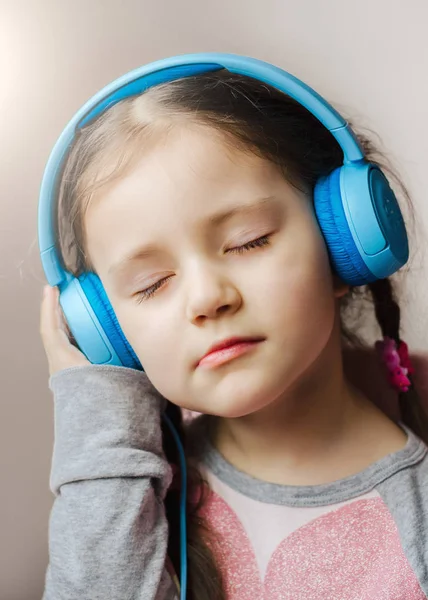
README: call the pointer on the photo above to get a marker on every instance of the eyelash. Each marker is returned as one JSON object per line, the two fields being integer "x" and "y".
{"x": 150, "y": 291}
{"x": 258, "y": 243}
{"x": 251, "y": 245}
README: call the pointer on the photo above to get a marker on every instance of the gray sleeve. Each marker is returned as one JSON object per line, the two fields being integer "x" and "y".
{"x": 406, "y": 495}
{"x": 107, "y": 530}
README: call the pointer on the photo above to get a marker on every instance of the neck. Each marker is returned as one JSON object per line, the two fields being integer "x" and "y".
{"x": 320, "y": 430}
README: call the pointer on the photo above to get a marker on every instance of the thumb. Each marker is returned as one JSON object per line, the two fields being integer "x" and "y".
{"x": 55, "y": 334}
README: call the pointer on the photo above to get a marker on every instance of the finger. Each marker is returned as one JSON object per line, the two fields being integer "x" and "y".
{"x": 46, "y": 320}
{"x": 51, "y": 327}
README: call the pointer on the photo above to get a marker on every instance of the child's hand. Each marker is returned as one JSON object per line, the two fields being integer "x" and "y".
{"x": 61, "y": 354}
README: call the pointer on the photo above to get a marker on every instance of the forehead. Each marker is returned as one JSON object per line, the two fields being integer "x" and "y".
{"x": 188, "y": 176}
{"x": 192, "y": 166}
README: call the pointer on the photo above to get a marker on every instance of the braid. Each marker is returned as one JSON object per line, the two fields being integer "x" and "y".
{"x": 172, "y": 499}
{"x": 204, "y": 580}
{"x": 386, "y": 308}
{"x": 387, "y": 313}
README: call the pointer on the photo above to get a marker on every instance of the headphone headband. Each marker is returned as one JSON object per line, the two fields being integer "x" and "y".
{"x": 162, "y": 71}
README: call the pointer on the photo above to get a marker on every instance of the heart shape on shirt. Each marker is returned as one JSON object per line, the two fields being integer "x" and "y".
{"x": 351, "y": 553}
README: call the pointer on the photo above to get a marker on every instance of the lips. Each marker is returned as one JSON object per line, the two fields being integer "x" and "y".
{"x": 228, "y": 350}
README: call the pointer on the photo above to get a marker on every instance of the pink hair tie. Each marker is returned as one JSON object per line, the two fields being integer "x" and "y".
{"x": 397, "y": 362}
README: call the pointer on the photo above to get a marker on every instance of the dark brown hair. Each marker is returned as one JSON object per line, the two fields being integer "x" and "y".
{"x": 253, "y": 117}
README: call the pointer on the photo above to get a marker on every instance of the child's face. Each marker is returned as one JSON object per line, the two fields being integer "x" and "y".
{"x": 185, "y": 206}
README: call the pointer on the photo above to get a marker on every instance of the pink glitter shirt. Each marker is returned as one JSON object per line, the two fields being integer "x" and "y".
{"x": 364, "y": 537}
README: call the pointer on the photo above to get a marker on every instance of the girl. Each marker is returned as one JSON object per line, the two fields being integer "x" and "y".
{"x": 192, "y": 203}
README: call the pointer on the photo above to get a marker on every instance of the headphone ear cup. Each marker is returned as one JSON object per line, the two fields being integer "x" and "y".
{"x": 100, "y": 304}
{"x": 344, "y": 254}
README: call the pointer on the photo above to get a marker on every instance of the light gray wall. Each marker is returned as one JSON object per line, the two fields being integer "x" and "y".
{"x": 370, "y": 58}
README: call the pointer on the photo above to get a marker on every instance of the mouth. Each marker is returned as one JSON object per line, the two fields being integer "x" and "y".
{"x": 228, "y": 350}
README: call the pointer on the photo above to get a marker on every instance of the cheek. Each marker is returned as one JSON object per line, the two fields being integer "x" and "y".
{"x": 158, "y": 344}
{"x": 300, "y": 271}
{"x": 150, "y": 338}
{"x": 298, "y": 288}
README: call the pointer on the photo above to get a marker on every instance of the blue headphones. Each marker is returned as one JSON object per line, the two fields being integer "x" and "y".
{"x": 356, "y": 209}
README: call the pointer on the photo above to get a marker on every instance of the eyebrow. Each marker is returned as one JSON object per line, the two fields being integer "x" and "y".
{"x": 215, "y": 220}
{"x": 138, "y": 254}
{"x": 255, "y": 206}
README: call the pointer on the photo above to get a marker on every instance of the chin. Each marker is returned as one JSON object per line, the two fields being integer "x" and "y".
{"x": 238, "y": 400}
{"x": 237, "y": 412}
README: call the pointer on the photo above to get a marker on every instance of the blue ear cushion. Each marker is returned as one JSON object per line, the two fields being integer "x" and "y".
{"x": 95, "y": 293}
{"x": 344, "y": 254}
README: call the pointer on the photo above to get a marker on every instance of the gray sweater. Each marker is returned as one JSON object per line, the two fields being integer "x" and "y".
{"x": 108, "y": 531}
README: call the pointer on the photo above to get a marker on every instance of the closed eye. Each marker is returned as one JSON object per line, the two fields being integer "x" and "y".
{"x": 257, "y": 243}
{"x": 251, "y": 245}
{"x": 150, "y": 291}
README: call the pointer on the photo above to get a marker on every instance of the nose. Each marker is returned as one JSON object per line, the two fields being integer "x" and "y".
{"x": 211, "y": 294}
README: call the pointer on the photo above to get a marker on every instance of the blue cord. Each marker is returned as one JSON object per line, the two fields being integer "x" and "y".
{"x": 183, "y": 494}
